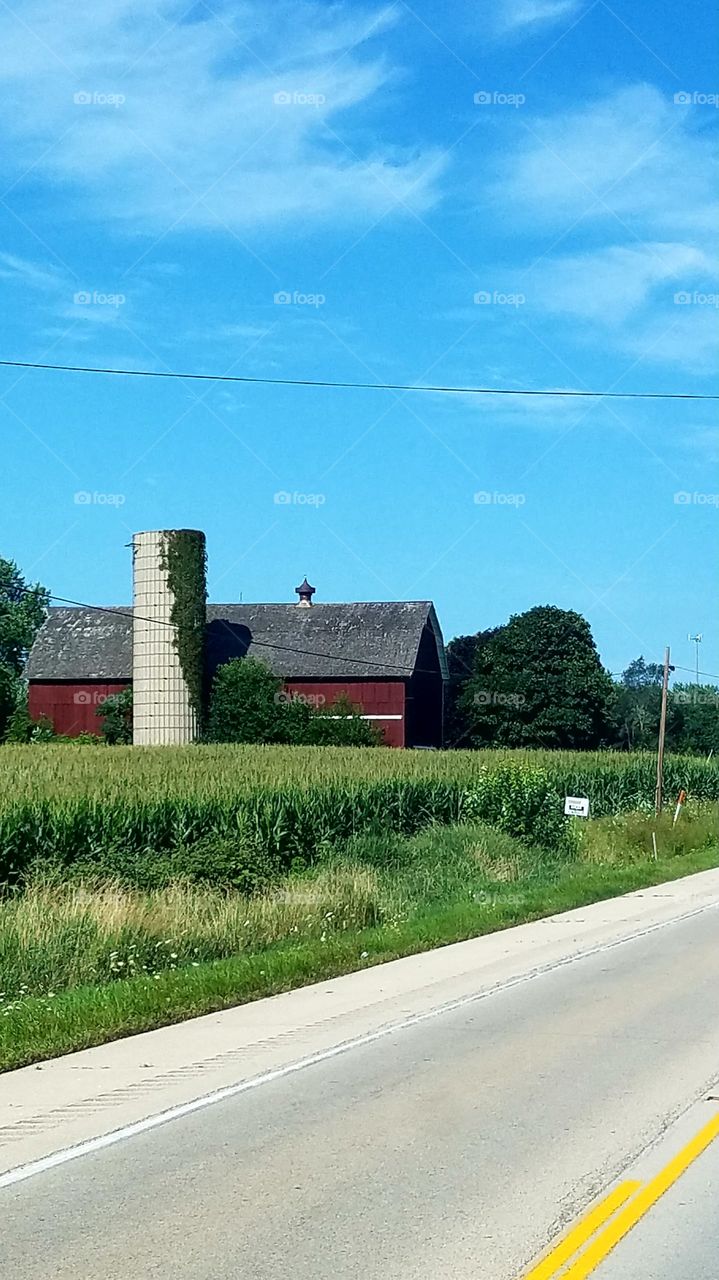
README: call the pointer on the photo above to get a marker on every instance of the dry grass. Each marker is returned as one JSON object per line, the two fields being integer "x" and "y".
{"x": 58, "y": 935}
{"x": 67, "y": 949}
{"x": 627, "y": 838}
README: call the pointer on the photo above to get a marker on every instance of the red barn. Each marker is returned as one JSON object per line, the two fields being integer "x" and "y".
{"x": 388, "y": 658}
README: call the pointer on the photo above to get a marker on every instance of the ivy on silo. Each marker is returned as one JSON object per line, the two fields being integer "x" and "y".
{"x": 183, "y": 560}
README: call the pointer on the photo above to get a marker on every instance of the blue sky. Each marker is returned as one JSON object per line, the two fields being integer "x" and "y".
{"x": 516, "y": 194}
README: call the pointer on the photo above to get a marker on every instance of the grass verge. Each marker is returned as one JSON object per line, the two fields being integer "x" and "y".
{"x": 40, "y": 1027}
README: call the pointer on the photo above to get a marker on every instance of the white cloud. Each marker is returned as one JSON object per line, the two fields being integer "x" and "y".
{"x": 519, "y": 15}
{"x": 629, "y": 182}
{"x": 24, "y": 272}
{"x": 178, "y": 121}
{"x": 610, "y": 284}
{"x": 635, "y": 154}
{"x": 684, "y": 336}
{"x": 647, "y": 300}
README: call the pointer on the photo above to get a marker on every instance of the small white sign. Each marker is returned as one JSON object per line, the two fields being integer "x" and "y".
{"x": 576, "y": 806}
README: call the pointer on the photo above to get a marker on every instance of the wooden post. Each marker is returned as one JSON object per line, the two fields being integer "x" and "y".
{"x": 662, "y": 732}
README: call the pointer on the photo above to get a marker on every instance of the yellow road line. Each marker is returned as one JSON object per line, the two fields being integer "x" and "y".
{"x": 642, "y": 1203}
{"x": 584, "y": 1230}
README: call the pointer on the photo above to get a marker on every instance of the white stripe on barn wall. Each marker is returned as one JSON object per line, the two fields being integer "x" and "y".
{"x": 373, "y": 717}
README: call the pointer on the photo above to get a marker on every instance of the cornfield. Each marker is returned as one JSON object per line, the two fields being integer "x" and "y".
{"x": 67, "y": 803}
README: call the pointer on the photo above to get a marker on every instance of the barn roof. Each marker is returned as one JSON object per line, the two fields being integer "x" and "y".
{"x": 327, "y": 641}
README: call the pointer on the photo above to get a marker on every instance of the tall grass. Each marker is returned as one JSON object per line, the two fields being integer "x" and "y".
{"x": 60, "y": 934}
{"x": 83, "y": 963}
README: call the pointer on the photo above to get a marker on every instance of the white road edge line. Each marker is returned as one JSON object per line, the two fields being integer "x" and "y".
{"x": 87, "y": 1148}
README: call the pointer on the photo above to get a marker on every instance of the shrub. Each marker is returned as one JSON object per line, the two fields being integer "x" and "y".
{"x": 524, "y": 803}
{"x": 244, "y": 703}
{"x": 249, "y": 704}
{"x": 43, "y": 730}
{"x": 20, "y": 724}
{"x": 226, "y": 862}
{"x": 116, "y": 715}
{"x": 340, "y": 725}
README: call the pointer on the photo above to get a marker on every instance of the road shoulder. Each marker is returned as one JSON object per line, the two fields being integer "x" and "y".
{"x": 84, "y": 1097}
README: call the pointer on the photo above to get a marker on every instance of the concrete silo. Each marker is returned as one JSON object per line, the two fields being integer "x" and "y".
{"x": 169, "y": 594}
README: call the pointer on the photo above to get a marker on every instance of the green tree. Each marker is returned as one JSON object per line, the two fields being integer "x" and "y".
{"x": 245, "y": 702}
{"x": 638, "y": 705}
{"x": 641, "y": 675}
{"x": 461, "y": 659}
{"x": 10, "y": 697}
{"x": 116, "y": 715}
{"x": 22, "y": 612}
{"x": 693, "y": 719}
{"x": 539, "y": 682}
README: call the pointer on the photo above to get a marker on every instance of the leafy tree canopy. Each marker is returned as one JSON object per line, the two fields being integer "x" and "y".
{"x": 641, "y": 675}
{"x": 693, "y": 719}
{"x": 461, "y": 659}
{"x": 539, "y": 682}
{"x": 22, "y": 612}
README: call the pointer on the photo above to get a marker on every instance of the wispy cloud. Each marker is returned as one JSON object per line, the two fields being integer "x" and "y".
{"x": 162, "y": 117}
{"x": 526, "y": 16}
{"x": 613, "y": 283}
{"x": 623, "y": 193}
{"x": 28, "y": 274}
{"x": 635, "y": 154}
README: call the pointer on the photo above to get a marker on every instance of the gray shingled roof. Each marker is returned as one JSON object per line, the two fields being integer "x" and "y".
{"x": 338, "y": 641}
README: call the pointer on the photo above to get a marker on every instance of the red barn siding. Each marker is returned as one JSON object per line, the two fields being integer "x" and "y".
{"x": 383, "y": 698}
{"x": 70, "y": 706}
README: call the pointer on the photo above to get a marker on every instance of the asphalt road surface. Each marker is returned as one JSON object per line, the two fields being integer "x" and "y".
{"x": 679, "y": 1239}
{"x": 462, "y": 1146}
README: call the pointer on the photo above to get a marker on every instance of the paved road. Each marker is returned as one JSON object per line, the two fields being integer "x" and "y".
{"x": 679, "y": 1239}
{"x": 459, "y": 1147}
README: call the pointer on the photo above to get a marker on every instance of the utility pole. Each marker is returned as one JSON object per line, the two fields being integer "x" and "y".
{"x": 697, "y": 639}
{"x": 662, "y": 733}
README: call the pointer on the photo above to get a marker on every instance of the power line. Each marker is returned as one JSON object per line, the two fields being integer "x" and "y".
{"x": 264, "y": 644}
{"x": 361, "y": 386}
{"x": 711, "y": 674}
